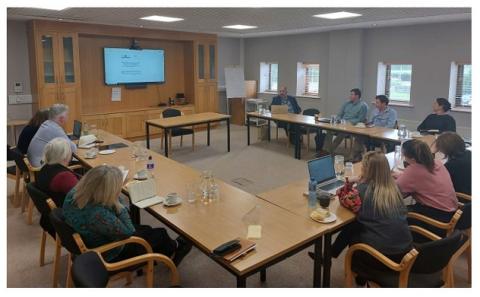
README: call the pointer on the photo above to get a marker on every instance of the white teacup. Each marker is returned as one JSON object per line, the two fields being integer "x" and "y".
{"x": 171, "y": 198}
{"x": 142, "y": 174}
{"x": 92, "y": 153}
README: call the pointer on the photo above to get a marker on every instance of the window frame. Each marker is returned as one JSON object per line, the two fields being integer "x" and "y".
{"x": 384, "y": 83}
{"x": 455, "y": 69}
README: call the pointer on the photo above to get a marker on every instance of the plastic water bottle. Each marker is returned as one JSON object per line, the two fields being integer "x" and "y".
{"x": 312, "y": 193}
{"x": 150, "y": 165}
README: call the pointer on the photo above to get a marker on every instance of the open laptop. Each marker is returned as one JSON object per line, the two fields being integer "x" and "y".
{"x": 279, "y": 109}
{"x": 77, "y": 130}
{"x": 323, "y": 171}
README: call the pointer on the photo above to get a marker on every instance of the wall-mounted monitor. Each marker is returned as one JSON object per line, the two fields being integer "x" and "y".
{"x": 132, "y": 66}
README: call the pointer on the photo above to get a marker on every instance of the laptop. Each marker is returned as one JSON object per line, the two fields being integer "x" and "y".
{"x": 323, "y": 120}
{"x": 278, "y": 109}
{"x": 77, "y": 130}
{"x": 323, "y": 172}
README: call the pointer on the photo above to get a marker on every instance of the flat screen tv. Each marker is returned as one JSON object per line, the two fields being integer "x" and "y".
{"x": 131, "y": 66}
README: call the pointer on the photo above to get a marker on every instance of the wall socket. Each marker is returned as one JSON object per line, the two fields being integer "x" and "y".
{"x": 20, "y": 99}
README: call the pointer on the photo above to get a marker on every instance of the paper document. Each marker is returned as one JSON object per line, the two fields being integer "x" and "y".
{"x": 116, "y": 94}
{"x": 254, "y": 232}
{"x": 143, "y": 193}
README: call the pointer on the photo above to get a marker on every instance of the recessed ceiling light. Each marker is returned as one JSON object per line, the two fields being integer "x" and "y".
{"x": 337, "y": 15}
{"x": 50, "y": 7}
{"x": 159, "y": 18}
{"x": 240, "y": 27}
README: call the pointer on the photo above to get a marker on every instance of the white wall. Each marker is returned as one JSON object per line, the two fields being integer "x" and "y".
{"x": 349, "y": 59}
{"x": 229, "y": 53}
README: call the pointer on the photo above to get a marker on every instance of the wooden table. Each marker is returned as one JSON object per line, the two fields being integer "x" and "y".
{"x": 13, "y": 124}
{"x": 168, "y": 124}
{"x": 207, "y": 226}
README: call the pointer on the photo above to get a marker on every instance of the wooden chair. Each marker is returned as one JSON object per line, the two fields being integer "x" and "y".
{"x": 90, "y": 270}
{"x": 171, "y": 112}
{"x": 72, "y": 241}
{"x": 461, "y": 220}
{"x": 20, "y": 174}
{"x": 425, "y": 265}
{"x": 44, "y": 205}
{"x": 26, "y": 202}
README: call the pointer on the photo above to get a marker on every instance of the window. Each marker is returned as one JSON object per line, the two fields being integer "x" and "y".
{"x": 268, "y": 77}
{"x": 308, "y": 79}
{"x": 395, "y": 81}
{"x": 460, "y": 94}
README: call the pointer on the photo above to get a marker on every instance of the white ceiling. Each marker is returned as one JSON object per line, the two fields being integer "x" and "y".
{"x": 270, "y": 21}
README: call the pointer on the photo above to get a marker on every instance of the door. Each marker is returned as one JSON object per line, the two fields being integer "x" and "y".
{"x": 48, "y": 78}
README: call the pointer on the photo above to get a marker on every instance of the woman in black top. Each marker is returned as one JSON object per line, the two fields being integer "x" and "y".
{"x": 382, "y": 218}
{"x": 439, "y": 120}
{"x": 459, "y": 160}
{"x": 30, "y": 129}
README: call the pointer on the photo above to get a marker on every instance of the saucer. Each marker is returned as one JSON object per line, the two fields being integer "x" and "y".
{"x": 177, "y": 202}
{"x": 91, "y": 157}
{"x": 106, "y": 152}
{"x": 331, "y": 218}
{"x": 138, "y": 178}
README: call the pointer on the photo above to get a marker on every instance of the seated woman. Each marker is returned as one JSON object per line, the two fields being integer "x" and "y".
{"x": 55, "y": 178}
{"x": 440, "y": 119}
{"x": 381, "y": 220}
{"x": 458, "y": 160}
{"x": 30, "y": 129}
{"x": 94, "y": 210}
{"x": 428, "y": 181}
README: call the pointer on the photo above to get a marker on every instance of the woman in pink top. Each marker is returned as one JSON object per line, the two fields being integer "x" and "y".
{"x": 428, "y": 181}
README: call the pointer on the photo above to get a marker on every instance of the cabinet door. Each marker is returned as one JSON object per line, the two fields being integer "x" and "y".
{"x": 212, "y": 97}
{"x": 47, "y": 69}
{"x": 153, "y": 115}
{"x": 212, "y": 62}
{"x": 68, "y": 96}
{"x": 115, "y": 124}
{"x": 135, "y": 123}
{"x": 201, "y": 102}
{"x": 201, "y": 62}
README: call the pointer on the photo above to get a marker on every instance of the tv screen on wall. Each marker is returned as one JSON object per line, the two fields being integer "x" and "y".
{"x": 131, "y": 66}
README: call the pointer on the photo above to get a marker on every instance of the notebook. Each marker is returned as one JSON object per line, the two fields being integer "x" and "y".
{"x": 276, "y": 109}
{"x": 144, "y": 193}
{"x": 247, "y": 246}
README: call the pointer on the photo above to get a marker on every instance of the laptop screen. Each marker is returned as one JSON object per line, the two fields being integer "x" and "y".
{"x": 321, "y": 169}
{"x": 77, "y": 128}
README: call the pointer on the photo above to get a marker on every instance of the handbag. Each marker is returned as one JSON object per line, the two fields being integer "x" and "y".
{"x": 349, "y": 196}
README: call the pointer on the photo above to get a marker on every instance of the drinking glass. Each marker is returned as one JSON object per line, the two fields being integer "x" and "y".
{"x": 339, "y": 166}
{"x": 323, "y": 199}
{"x": 397, "y": 157}
{"x": 191, "y": 193}
{"x": 343, "y": 122}
{"x": 333, "y": 119}
{"x": 348, "y": 170}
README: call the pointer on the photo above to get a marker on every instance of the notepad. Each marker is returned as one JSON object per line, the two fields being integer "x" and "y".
{"x": 254, "y": 231}
{"x": 144, "y": 193}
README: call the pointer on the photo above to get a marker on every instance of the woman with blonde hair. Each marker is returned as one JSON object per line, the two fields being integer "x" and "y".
{"x": 55, "y": 178}
{"x": 94, "y": 209}
{"x": 381, "y": 220}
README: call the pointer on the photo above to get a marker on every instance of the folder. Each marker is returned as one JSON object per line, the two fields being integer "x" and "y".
{"x": 246, "y": 247}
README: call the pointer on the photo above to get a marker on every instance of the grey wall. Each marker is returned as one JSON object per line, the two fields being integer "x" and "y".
{"x": 229, "y": 53}
{"x": 349, "y": 58}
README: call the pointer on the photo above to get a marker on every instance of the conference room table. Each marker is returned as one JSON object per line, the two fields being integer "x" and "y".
{"x": 168, "y": 124}
{"x": 209, "y": 225}
{"x": 298, "y": 120}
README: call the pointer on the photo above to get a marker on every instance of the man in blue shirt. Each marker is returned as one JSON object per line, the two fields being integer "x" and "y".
{"x": 383, "y": 115}
{"x": 283, "y": 99}
{"x": 353, "y": 111}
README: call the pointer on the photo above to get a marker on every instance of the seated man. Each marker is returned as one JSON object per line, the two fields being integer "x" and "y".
{"x": 353, "y": 111}
{"x": 283, "y": 99}
{"x": 383, "y": 116}
{"x": 50, "y": 129}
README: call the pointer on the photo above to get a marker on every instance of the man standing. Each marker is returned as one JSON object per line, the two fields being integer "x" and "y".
{"x": 50, "y": 129}
{"x": 353, "y": 111}
{"x": 283, "y": 99}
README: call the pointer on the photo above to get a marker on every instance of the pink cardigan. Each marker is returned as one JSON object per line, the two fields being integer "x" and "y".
{"x": 433, "y": 190}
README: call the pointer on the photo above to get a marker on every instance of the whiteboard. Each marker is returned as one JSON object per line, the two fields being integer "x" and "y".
{"x": 234, "y": 82}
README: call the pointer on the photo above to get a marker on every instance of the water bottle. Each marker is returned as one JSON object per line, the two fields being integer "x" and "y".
{"x": 312, "y": 193}
{"x": 150, "y": 166}
{"x": 397, "y": 156}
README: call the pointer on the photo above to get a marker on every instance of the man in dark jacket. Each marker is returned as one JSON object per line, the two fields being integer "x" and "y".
{"x": 283, "y": 99}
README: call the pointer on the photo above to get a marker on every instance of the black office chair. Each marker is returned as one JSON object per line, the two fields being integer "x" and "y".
{"x": 307, "y": 130}
{"x": 169, "y": 113}
{"x": 89, "y": 269}
{"x": 427, "y": 267}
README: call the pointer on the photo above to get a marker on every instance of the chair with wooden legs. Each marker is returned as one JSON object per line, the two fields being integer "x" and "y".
{"x": 425, "y": 266}
{"x": 90, "y": 270}
{"x": 461, "y": 220}
{"x": 44, "y": 205}
{"x": 169, "y": 113}
{"x": 309, "y": 130}
{"x": 72, "y": 241}
{"x": 21, "y": 175}
{"x": 26, "y": 202}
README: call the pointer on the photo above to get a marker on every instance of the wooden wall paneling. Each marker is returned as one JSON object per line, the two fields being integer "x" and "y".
{"x": 189, "y": 72}
{"x": 116, "y": 124}
{"x": 135, "y": 123}
{"x": 97, "y": 96}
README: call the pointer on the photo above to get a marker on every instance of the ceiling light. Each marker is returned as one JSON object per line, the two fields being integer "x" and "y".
{"x": 159, "y": 18}
{"x": 337, "y": 15}
{"x": 240, "y": 27}
{"x": 50, "y": 7}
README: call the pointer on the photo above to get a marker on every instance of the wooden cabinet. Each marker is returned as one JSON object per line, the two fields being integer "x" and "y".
{"x": 55, "y": 73}
{"x": 135, "y": 122}
{"x": 206, "y": 93}
{"x": 113, "y": 123}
